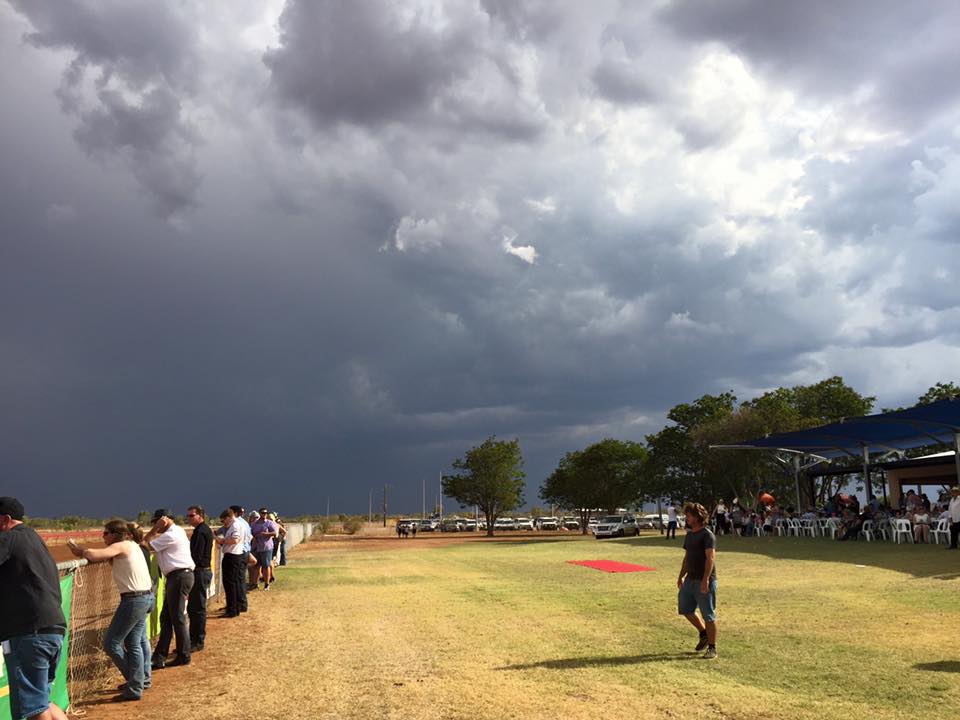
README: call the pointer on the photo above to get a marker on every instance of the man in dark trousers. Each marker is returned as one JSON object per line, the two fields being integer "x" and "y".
{"x": 697, "y": 582}
{"x": 172, "y": 547}
{"x": 32, "y": 624}
{"x": 201, "y": 547}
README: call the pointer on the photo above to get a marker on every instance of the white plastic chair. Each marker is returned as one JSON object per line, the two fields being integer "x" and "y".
{"x": 830, "y": 526}
{"x": 901, "y": 528}
{"x": 794, "y": 528}
{"x": 808, "y": 527}
{"x": 867, "y": 530}
{"x": 942, "y": 529}
{"x": 781, "y": 527}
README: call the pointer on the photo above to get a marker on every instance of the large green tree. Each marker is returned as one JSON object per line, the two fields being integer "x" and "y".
{"x": 683, "y": 465}
{"x": 608, "y": 474}
{"x": 490, "y": 477}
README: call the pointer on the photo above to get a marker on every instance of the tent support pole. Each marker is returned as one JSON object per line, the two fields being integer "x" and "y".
{"x": 796, "y": 480}
{"x": 866, "y": 471}
{"x": 956, "y": 455}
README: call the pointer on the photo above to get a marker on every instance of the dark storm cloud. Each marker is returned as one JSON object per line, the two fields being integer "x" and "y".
{"x": 376, "y": 63}
{"x": 133, "y": 65}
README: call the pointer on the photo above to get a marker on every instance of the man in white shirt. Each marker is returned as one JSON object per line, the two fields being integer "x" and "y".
{"x": 671, "y": 521}
{"x": 954, "y": 510}
{"x": 172, "y": 548}
{"x": 230, "y": 537}
{"x": 247, "y": 539}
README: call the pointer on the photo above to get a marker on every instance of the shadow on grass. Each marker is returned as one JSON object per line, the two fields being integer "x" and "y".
{"x": 950, "y": 666}
{"x": 921, "y": 561}
{"x": 585, "y": 662}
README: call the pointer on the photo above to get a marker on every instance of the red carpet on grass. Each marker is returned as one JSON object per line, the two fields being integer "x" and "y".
{"x": 611, "y": 566}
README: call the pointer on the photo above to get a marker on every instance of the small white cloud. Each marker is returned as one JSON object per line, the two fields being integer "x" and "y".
{"x": 527, "y": 253}
{"x": 419, "y": 234}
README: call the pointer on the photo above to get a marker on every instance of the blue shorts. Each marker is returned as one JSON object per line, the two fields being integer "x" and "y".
{"x": 264, "y": 558}
{"x": 31, "y": 667}
{"x": 690, "y": 599}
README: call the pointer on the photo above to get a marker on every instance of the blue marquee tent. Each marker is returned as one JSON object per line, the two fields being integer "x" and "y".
{"x": 938, "y": 422}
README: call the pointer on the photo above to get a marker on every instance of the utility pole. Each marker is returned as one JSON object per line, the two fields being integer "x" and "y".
{"x": 370, "y": 509}
{"x": 384, "y": 504}
{"x": 423, "y": 499}
{"x": 328, "y": 508}
{"x": 441, "y": 497}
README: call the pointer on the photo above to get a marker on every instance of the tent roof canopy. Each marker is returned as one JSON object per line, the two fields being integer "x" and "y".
{"x": 921, "y": 425}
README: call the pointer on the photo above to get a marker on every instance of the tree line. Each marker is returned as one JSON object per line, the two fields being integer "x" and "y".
{"x": 675, "y": 463}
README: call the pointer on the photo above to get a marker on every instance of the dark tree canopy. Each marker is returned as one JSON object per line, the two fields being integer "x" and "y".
{"x": 607, "y": 475}
{"x": 490, "y": 477}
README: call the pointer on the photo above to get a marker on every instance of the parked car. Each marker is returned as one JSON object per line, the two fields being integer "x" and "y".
{"x": 427, "y": 525}
{"x": 570, "y": 523}
{"x": 504, "y": 523}
{"x": 547, "y": 523}
{"x": 592, "y": 525}
{"x": 522, "y": 523}
{"x": 653, "y": 521}
{"x": 617, "y": 526}
{"x": 452, "y": 525}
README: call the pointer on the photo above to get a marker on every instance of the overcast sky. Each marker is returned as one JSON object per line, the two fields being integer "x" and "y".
{"x": 274, "y": 252}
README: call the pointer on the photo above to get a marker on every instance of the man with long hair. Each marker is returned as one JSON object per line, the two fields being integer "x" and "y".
{"x": 697, "y": 582}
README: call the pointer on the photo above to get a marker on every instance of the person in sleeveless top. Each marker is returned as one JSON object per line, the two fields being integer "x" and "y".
{"x": 122, "y": 640}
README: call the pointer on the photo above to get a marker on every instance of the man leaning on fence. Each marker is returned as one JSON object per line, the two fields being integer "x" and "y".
{"x": 172, "y": 548}
{"x": 32, "y": 624}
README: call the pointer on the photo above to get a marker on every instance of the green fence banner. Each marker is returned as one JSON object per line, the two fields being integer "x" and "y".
{"x": 59, "y": 692}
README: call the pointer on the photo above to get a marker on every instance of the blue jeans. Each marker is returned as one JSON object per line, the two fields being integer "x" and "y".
{"x": 31, "y": 669}
{"x": 145, "y": 644}
{"x": 123, "y": 640}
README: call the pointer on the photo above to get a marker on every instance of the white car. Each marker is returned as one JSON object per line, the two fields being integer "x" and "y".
{"x": 504, "y": 523}
{"x": 616, "y": 526}
{"x": 522, "y": 523}
{"x": 548, "y": 523}
{"x": 570, "y": 523}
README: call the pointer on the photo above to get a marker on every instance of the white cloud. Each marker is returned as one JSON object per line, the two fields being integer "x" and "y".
{"x": 527, "y": 253}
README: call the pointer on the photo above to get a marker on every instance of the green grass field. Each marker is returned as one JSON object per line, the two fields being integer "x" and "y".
{"x": 808, "y": 629}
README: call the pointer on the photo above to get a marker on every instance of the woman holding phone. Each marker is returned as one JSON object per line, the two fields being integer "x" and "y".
{"x": 123, "y": 639}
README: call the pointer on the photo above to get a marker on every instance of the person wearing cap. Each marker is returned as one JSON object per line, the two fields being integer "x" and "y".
{"x": 201, "y": 550}
{"x": 230, "y": 537}
{"x": 122, "y": 640}
{"x": 954, "y": 509}
{"x": 32, "y": 624}
{"x": 264, "y": 531}
{"x": 170, "y": 544}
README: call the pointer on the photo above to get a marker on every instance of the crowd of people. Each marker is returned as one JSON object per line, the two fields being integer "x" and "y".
{"x": 32, "y": 623}
{"x": 847, "y": 510}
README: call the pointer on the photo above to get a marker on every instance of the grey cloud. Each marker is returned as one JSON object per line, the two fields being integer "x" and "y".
{"x": 133, "y": 66}
{"x": 373, "y": 64}
{"x": 901, "y": 56}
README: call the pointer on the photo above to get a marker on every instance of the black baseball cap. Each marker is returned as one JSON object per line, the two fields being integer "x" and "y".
{"x": 12, "y": 507}
{"x": 162, "y": 512}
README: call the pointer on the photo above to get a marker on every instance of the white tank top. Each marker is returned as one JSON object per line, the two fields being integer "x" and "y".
{"x": 130, "y": 572}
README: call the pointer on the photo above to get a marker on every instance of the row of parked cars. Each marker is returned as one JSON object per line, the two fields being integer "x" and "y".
{"x": 607, "y": 526}
{"x": 456, "y": 524}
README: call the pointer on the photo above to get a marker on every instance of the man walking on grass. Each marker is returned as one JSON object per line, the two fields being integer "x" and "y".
{"x": 697, "y": 582}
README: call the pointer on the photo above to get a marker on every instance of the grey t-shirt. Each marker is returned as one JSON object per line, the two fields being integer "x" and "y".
{"x": 696, "y": 545}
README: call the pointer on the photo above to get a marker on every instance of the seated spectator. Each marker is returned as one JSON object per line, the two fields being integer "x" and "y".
{"x": 122, "y": 641}
{"x": 921, "y": 525}
{"x": 850, "y": 525}
{"x": 768, "y": 523}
